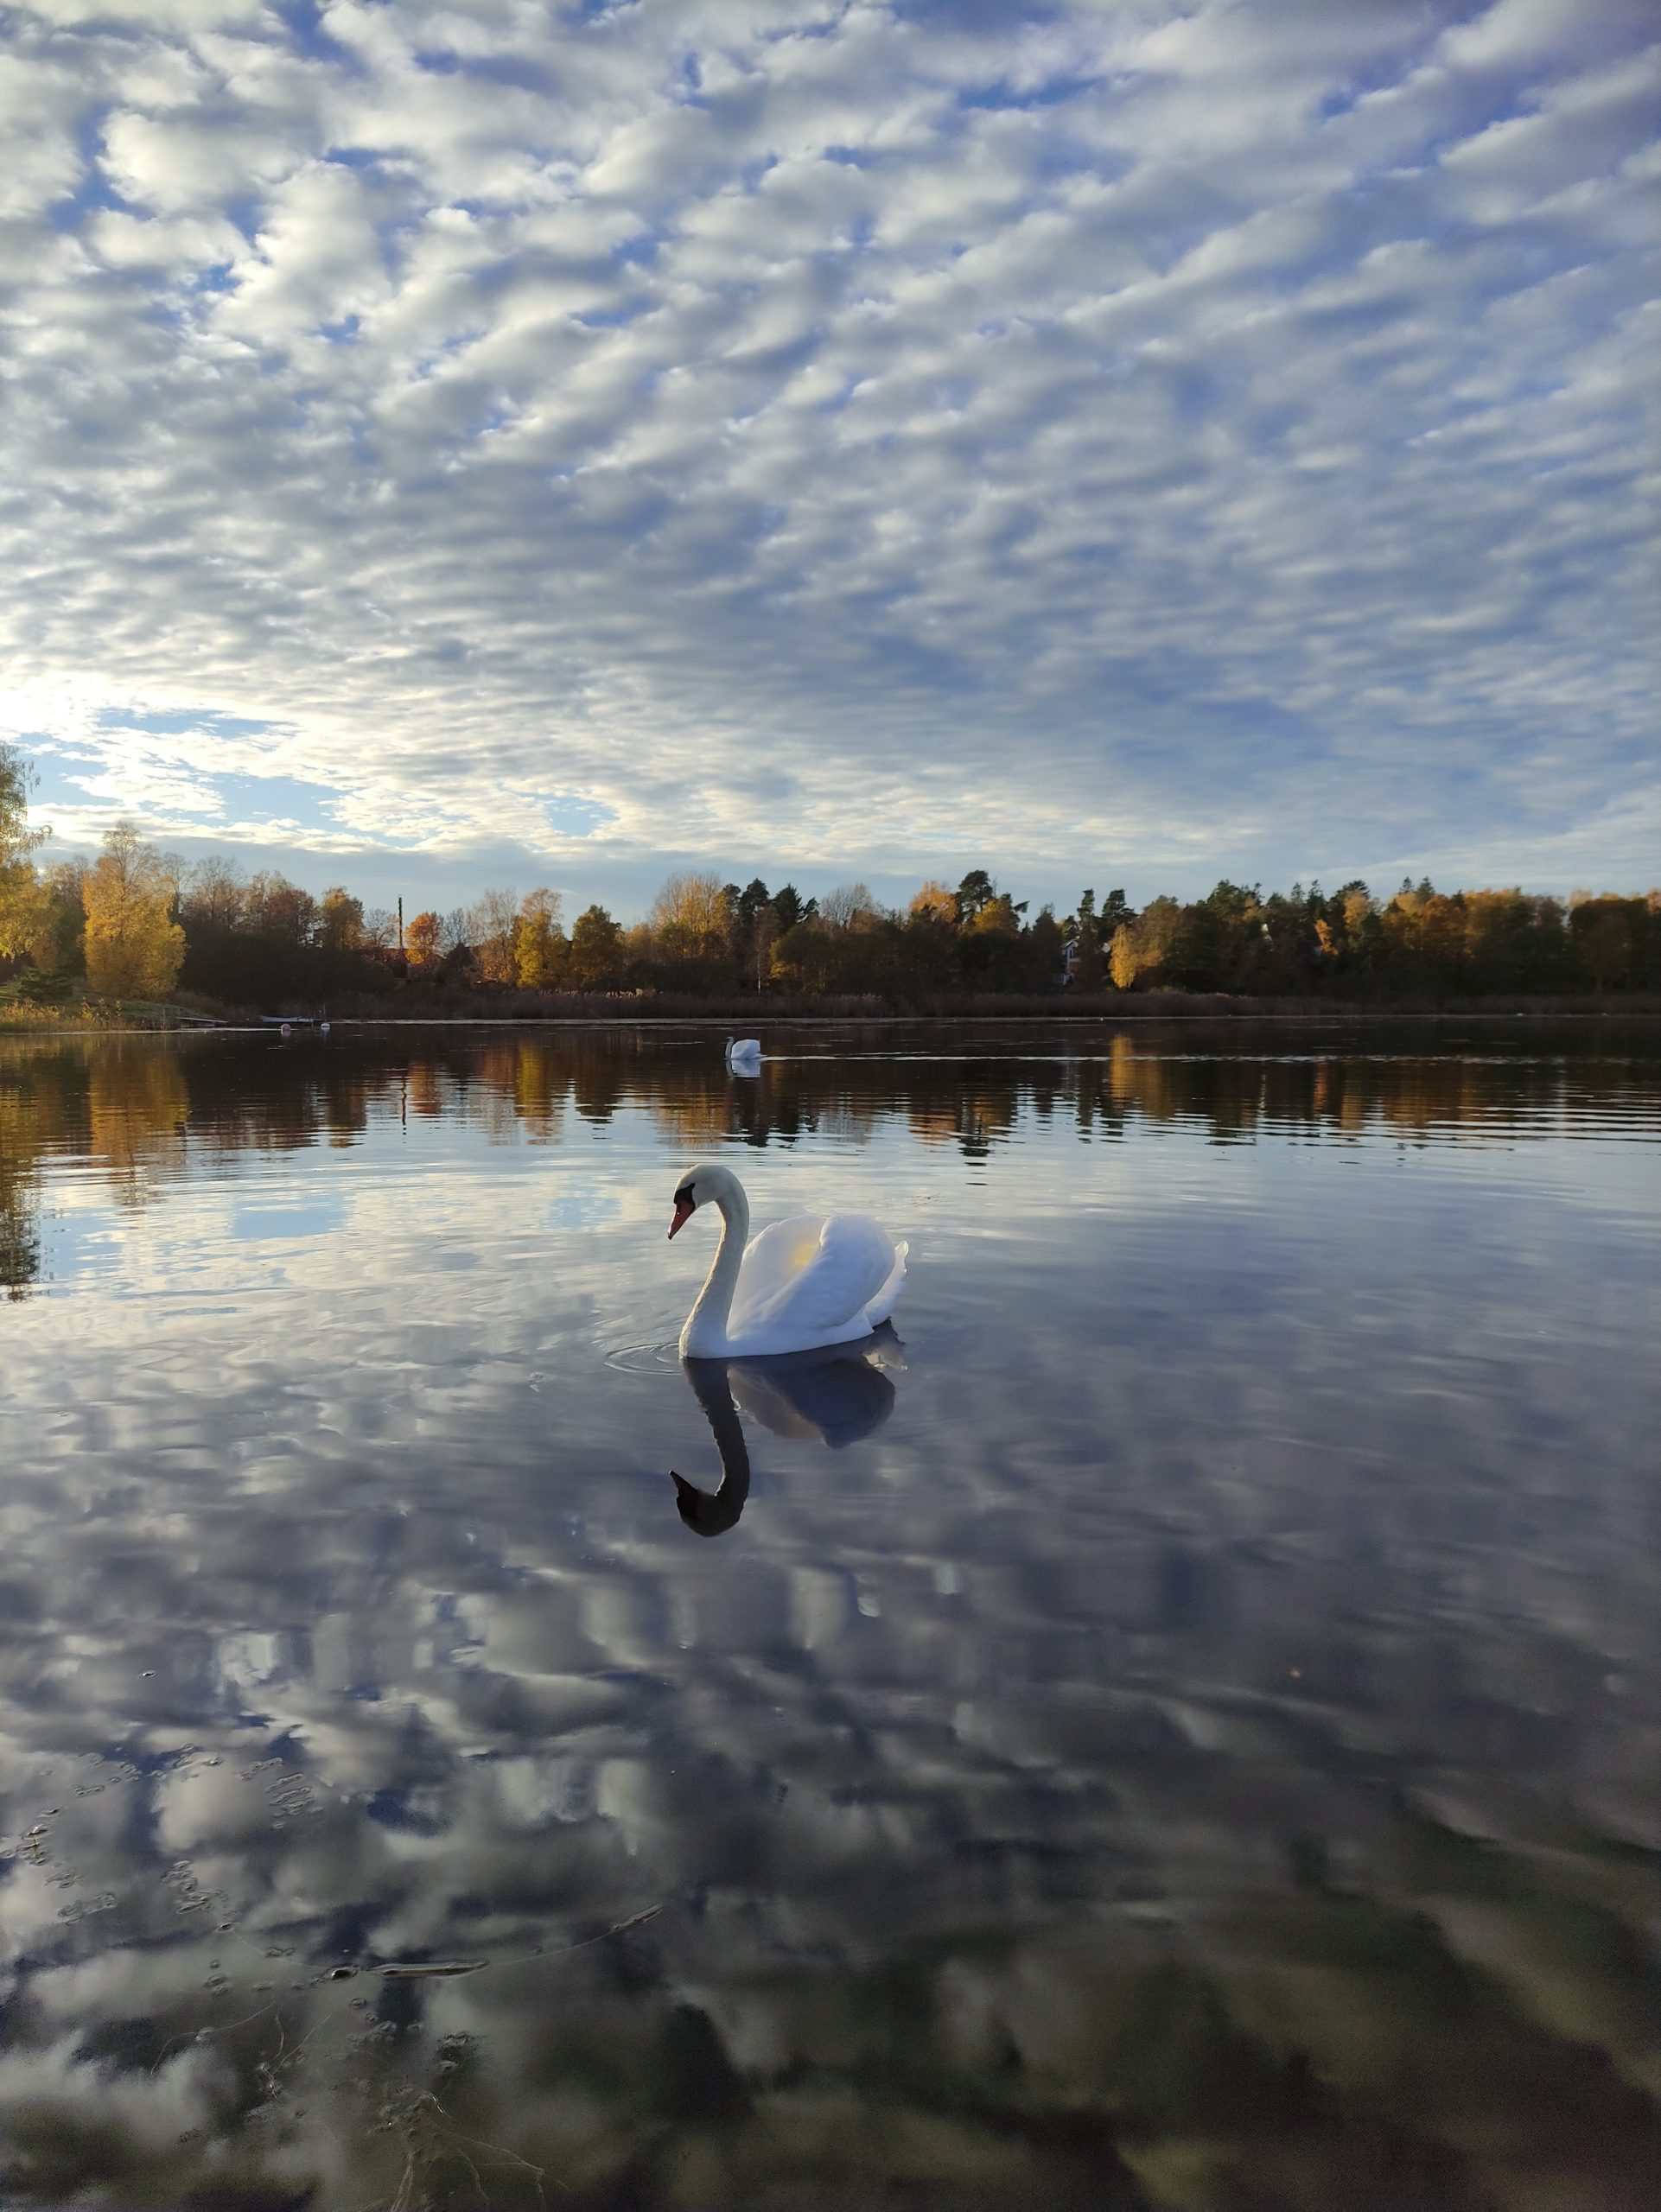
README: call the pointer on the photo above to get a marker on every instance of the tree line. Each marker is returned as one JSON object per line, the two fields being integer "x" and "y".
{"x": 137, "y": 923}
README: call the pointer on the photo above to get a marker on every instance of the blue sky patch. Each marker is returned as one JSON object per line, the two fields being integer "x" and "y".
{"x": 1129, "y": 445}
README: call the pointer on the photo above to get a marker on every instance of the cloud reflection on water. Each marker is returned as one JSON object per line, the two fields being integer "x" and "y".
{"x": 1204, "y": 1727}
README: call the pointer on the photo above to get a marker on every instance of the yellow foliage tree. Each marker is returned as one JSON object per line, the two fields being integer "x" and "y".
{"x": 539, "y": 943}
{"x": 23, "y": 901}
{"x": 997, "y": 918}
{"x": 134, "y": 946}
{"x": 1139, "y": 948}
{"x": 421, "y": 940}
{"x": 689, "y": 916}
{"x": 1123, "y": 963}
{"x": 340, "y": 921}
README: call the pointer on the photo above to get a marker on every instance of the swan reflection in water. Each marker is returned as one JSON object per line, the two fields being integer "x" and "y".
{"x": 839, "y": 1394}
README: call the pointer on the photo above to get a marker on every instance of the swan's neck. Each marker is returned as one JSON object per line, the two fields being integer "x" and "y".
{"x": 705, "y": 1336}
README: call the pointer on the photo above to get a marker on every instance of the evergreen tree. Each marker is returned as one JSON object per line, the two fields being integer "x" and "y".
{"x": 597, "y": 955}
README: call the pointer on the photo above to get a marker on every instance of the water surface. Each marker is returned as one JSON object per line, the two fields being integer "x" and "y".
{"x": 1175, "y": 1723}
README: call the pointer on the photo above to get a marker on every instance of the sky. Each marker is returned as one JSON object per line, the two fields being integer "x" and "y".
{"x": 1105, "y": 441}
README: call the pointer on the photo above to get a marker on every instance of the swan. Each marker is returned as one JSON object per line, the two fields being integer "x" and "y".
{"x": 744, "y": 1054}
{"x": 808, "y": 1281}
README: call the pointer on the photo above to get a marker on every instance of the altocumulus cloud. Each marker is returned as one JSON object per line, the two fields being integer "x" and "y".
{"x": 1101, "y": 439}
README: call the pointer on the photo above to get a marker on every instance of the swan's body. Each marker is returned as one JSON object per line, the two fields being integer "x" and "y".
{"x": 808, "y": 1281}
{"x": 744, "y": 1054}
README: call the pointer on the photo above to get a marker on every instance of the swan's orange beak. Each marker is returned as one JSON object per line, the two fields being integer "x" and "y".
{"x": 682, "y": 1215}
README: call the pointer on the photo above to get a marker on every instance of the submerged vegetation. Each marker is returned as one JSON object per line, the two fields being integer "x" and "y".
{"x": 138, "y": 925}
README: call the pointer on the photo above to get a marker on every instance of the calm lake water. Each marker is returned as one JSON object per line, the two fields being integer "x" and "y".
{"x": 1177, "y": 1723}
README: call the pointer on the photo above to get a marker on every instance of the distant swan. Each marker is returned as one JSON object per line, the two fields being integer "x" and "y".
{"x": 807, "y": 1280}
{"x": 744, "y": 1054}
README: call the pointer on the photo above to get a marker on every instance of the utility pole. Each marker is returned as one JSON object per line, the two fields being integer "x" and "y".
{"x": 400, "y": 923}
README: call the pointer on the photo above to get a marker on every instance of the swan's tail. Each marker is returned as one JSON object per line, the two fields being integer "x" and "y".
{"x": 882, "y": 1305}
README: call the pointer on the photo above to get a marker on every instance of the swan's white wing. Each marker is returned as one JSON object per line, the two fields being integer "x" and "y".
{"x": 882, "y": 1305}
{"x": 772, "y": 1260}
{"x": 825, "y": 1295}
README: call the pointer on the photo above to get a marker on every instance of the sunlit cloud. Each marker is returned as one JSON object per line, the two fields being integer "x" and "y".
{"x": 1131, "y": 443}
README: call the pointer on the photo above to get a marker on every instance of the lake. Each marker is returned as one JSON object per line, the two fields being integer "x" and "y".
{"x": 1175, "y": 1721}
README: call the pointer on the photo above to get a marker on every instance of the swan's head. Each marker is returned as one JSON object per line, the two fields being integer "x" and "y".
{"x": 707, "y": 1183}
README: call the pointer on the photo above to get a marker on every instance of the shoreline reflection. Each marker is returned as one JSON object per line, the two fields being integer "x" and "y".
{"x": 144, "y": 1114}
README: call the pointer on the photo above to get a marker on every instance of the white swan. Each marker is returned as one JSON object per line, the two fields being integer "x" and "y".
{"x": 744, "y": 1054}
{"x": 807, "y": 1280}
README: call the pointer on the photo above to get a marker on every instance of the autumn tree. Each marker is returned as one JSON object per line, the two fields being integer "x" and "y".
{"x": 692, "y": 912}
{"x": 1139, "y": 948}
{"x": 999, "y": 917}
{"x": 539, "y": 945}
{"x": 693, "y": 927}
{"x": 23, "y": 902}
{"x": 133, "y": 944}
{"x": 933, "y": 903}
{"x": 421, "y": 940}
{"x": 341, "y": 924}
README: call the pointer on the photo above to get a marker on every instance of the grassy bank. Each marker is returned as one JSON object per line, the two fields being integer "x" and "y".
{"x": 24, "y": 1016}
{"x": 746, "y": 1013}
{"x": 755, "y": 1011}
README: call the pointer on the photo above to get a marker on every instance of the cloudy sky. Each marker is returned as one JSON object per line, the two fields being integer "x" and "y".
{"x": 1107, "y": 441}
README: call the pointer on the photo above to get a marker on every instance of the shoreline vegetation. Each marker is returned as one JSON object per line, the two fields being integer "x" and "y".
{"x": 137, "y": 939}
{"x": 24, "y": 1019}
